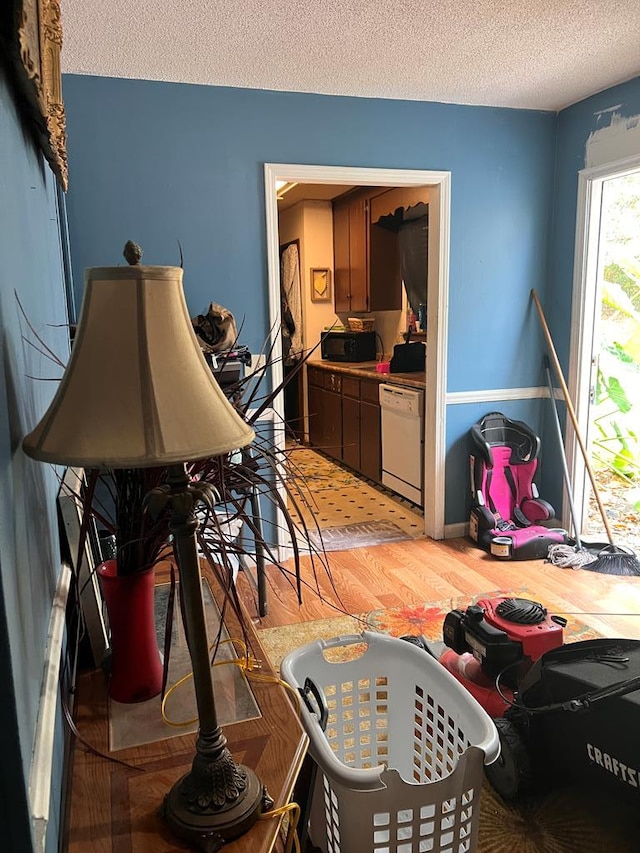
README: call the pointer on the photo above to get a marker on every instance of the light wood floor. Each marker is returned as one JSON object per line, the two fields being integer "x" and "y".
{"x": 421, "y": 570}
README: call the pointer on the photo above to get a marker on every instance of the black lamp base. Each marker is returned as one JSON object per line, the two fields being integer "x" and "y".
{"x": 208, "y": 829}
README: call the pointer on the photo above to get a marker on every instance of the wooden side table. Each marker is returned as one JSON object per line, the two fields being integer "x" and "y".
{"x": 114, "y": 807}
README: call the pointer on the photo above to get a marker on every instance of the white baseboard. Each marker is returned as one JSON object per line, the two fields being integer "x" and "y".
{"x": 456, "y": 531}
{"x": 42, "y": 759}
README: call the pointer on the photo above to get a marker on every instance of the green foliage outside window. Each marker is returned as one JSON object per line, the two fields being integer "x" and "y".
{"x": 616, "y": 415}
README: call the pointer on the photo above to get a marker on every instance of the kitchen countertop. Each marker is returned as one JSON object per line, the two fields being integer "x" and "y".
{"x": 366, "y": 370}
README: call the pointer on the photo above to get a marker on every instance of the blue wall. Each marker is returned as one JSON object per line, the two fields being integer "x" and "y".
{"x": 575, "y": 124}
{"x": 161, "y": 162}
{"x": 31, "y": 269}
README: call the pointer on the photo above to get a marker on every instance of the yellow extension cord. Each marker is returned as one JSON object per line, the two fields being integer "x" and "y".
{"x": 249, "y": 665}
{"x": 292, "y": 835}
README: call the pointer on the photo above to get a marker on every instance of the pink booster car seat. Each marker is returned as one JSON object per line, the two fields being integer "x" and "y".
{"x": 507, "y": 514}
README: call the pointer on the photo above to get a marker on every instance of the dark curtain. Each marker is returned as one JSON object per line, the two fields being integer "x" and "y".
{"x": 413, "y": 240}
{"x": 412, "y": 226}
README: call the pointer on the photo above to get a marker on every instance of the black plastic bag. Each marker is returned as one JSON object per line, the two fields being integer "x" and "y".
{"x": 216, "y": 330}
{"x": 410, "y": 357}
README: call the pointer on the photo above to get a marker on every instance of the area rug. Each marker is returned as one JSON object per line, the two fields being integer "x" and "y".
{"x": 425, "y": 619}
{"x": 568, "y": 819}
{"x": 360, "y": 535}
{"x": 563, "y": 820}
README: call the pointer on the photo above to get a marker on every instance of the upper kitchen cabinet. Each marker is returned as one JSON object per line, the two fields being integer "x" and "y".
{"x": 367, "y": 274}
{"x": 350, "y": 253}
{"x": 367, "y": 249}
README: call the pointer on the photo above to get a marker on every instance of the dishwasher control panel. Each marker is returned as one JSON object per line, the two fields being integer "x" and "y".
{"x": 401, "y": 399}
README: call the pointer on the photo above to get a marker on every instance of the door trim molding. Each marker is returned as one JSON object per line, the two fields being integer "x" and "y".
{"x": 437, "y": 305}
{"x": 583, "y": 307}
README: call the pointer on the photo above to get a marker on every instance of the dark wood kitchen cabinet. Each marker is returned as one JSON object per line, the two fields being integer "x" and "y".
{"x": 370, "y": 434}
{"x": 344, "y": 420}
{"x": 325, "y": 411}
{"x": 351, "y": 422}
{"x": 315, "y": 392}
{"x": 350, "y": 253}
{"x": 366, "y": 258}
{"x": 361, "y": 439}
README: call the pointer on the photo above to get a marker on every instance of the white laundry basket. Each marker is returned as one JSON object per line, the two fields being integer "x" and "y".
{"x": 400, "y": 761}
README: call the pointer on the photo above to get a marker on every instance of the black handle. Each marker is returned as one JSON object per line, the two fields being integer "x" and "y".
{"x": 311, "y": 687}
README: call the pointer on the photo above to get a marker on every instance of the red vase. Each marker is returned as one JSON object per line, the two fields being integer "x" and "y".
{"x": 136, "y": 665}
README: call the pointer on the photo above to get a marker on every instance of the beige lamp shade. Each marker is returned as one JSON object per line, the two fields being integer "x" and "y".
{"x": 137, "y": 391}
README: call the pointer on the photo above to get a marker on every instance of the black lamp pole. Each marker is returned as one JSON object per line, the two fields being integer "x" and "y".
{"x": 218, "y": 800}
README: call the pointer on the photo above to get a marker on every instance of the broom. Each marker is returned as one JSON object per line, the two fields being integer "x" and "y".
{"x": 567, "y": 556}
{"x": 611, "y": 560}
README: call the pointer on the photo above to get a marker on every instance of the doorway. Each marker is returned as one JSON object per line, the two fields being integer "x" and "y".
{"x": 437, "y": 299}
{"x": 604, "y": 371}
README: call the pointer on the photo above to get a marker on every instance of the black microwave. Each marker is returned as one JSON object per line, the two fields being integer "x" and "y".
{"x": 348, "y": 346}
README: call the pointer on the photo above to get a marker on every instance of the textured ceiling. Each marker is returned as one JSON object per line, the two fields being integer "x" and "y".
{"x": 541, "y": 54}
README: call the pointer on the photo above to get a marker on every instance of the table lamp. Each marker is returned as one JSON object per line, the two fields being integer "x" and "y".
{"x": 138, "y": 393}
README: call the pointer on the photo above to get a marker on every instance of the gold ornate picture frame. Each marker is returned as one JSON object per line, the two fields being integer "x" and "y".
{"x": 320, "y": 284}
{"x": 35, "y": 45}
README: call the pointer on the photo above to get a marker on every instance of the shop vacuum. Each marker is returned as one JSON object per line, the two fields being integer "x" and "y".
{"x": 564, "y": 713}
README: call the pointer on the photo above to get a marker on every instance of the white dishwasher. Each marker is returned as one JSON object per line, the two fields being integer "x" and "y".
{"x": 402, "y": 428}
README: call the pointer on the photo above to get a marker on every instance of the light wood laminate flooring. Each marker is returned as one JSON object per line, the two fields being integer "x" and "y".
{"x": 420, "y": 569}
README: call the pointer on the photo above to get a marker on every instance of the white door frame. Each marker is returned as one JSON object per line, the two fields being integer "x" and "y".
{"x": 585, "y": 290}
{"x": 437, "y": 306}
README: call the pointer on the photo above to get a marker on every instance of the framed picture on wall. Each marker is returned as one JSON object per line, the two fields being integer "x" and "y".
{"x": 31, "y": 38}
{"x": 320, "y": 285}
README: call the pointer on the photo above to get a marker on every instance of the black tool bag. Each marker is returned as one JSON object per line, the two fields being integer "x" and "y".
{"x": 598, "y": 744}
{"x": 409, "y": 357}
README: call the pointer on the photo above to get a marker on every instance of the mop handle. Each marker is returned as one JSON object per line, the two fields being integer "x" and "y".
{"x": 572, "y": 414}
{"x": 563, "y": 456}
